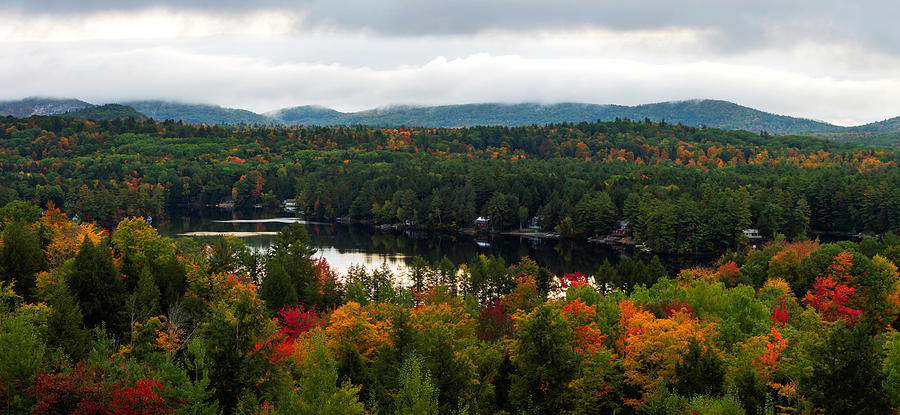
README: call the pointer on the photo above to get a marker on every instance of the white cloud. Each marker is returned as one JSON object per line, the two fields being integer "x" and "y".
{"x": 266, "y": 59}
{"x": 155, "y": 23}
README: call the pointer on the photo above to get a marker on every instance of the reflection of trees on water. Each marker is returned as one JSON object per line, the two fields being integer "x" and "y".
{"x": 560, "y": 256}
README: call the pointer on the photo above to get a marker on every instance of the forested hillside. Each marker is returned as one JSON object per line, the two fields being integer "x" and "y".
{"x": 106, "y": 112}
{"x": 684, "y": 190}
{"x": 197, "y": 113}
{"x": 695, "y": 113}
{"x": 129, "y": 322}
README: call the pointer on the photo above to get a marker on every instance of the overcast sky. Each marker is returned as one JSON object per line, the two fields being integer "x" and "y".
{"x": 837, "y": 61}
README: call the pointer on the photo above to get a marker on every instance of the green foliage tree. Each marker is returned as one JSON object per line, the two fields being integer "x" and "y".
{"x": 595, "y": 214}
{"x": 143, "y": 303}
{"x": 417, "y": 394}
{"x": 277, "y": 288}
{"x": 845, "y": 372}
{"x": 318, "y": 386}
{"x": 93, "y": 272}
{"x": 891, "y": 370}
{"x": 65, "y": 326}
{"x": 292, "y": 252}
{"x": 237, "y": 369}
{"x": 20, "y": 258}
{"x": 22, "y": 355}
{"x": 545, "y": 362}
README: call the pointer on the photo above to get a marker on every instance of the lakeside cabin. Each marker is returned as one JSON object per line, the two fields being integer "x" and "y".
{"x": 483, "y": 222}
{"x": 289, "y": 205}
{"x": 752, "y": 234}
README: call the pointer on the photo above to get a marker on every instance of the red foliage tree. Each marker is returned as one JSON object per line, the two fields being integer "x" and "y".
{"x": 780, "y": 314}
{"x": 294, "y": 321}
{"x": 829, "y": 298}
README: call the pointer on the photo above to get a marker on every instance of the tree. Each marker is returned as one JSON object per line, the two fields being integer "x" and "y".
{"x": 595, "y": 214}
{"x": 234, "y": 336}
{"x": 20, "y": 258}
{"x": 891, "y": 370}
{"x": 545, "y": 361}
{"x": 318, "y": 388}
{"x": 22, "y": 354}
{"x": 845, "y": 373}
{"x": 65, "y": 326}
{"x": 503, "y": 210}
{"x": 277, "y": 290}
{"x": 93, "y": 273}
{"x": 601, "y": 385}
{"x": 19, "y": 211}
{"x": 700, "y": 372}
{"x": 139, "y": 245}
{"x": 292, "y": 251}
{"x": 417, "y": 394}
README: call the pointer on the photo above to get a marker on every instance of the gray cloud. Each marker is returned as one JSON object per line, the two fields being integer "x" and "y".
{"x": 740, "y": 24}
{"x": 828, "y": 59}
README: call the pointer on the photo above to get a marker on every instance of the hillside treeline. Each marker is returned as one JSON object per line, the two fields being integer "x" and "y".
{"x": 681, "y": 189}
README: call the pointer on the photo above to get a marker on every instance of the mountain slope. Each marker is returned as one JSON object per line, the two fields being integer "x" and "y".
{"x": 308, "y": 115}
{"x": 197, "y": 113}
{"x": 40, "y": 106}
{"x": 710, "y": 113}
{"x": 106, "y": 112}
{"x": 891, "y": 125}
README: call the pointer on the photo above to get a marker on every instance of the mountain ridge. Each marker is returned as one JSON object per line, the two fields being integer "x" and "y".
{"x": 694, "y": 112}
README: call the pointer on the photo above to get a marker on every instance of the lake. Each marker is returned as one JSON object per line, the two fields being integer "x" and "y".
{"x": 344, "y": 245}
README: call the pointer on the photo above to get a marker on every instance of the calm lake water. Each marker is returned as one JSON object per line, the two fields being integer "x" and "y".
{"x": 344, "y": 245}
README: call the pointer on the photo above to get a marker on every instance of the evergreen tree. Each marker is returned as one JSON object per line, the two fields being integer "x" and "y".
{"x": 277, "y": 290}
{"x": 318, "y": 384}
{"x": 545, "y": 361}
{"x": 417, "y": 394}
{"x": 845, "y": 374}
{"x": 595, "y": 214}
{"x": 65, "y": 326}
{"x": 98, "y": 287}
{"x": 20, "y": 258}
{"x": 144, "y": 302}
{"x": 293, "y": 252}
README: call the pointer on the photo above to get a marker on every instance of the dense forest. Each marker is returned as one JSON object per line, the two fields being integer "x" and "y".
{"x": 100, "y": 314}
{"x": 129, "y": 322}
{"x": 682, "y": 189}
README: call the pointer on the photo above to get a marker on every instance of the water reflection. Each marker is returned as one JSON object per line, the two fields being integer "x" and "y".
{"x": 345, "y": 245}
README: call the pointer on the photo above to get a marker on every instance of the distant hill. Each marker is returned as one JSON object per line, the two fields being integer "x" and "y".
{"x": 702, "y": 112}
{"x": 710, "y": 113}
{"x": 197, "y": 113}
{"x": 40, "y": 106}
{"x": 106, "y": 112}
{"x": 891, "y": 125}
{"x": 308, "y": 115}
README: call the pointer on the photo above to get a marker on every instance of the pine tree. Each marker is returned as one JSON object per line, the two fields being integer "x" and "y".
{"x": 20, "y": 258}
{"x": 277, "y": 290}
{"x": 318, "y": 384}
{"x": 417, "y": 395}
{"x": 65, "y": 326}
{"x": 144, "y": 302}
{"x": 98, "y": 287}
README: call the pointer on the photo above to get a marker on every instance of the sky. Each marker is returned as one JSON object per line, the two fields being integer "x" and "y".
{"x": 836, "y": 61}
